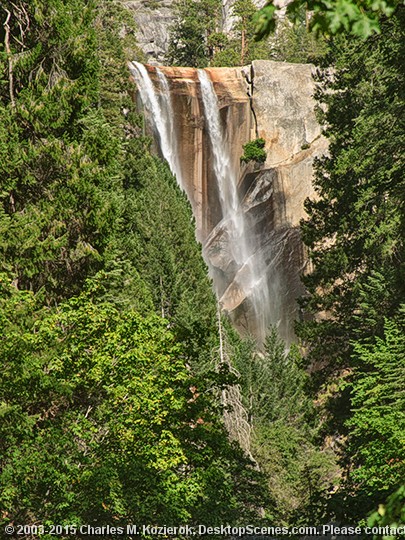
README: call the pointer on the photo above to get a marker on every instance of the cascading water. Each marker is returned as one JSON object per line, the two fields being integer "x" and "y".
{"x": 250, "y": 274}
{"x": 161, "y": 110}
{"x": 245, "y": 280}
{"x": 224, "y": 172}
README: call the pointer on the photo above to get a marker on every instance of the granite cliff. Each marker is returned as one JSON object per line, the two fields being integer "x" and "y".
{"x": 270, "y": 100}
{"x": 154, "y": 19}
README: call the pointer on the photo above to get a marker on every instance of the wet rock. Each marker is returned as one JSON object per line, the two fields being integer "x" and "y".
{"x": 273, "y": 100}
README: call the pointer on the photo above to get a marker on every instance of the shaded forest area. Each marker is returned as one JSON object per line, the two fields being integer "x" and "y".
{"x": 117, "y": 372}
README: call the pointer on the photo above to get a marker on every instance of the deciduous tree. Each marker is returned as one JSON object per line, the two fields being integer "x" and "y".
{"x": 358, "y": 17}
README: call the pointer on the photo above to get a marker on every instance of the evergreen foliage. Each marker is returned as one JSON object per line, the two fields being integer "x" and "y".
{"x": 106, "y": 310}
{"x": 109, "y": 392}
{"x": 242, "y": 41}
{"x": 159, "y": 239}
{"x": 254, "y": 151}
{"x": 355, "y": 228}
{"x": 377, "y": 423}
{"x": 295, "y": 42}
{"x": 275, "y": 394}
{"x": 197, "y": 38}
{"x": 196, "y": 34}
{"x": 58, "y": 155}
{"x": 355, "y": 236}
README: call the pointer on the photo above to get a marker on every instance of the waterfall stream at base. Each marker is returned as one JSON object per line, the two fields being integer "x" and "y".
{"x": 246, "y": 283}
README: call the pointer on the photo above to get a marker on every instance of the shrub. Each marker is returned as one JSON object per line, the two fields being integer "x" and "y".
{"x": 254, "y": 151}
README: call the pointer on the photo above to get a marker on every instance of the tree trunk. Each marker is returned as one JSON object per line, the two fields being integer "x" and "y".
{"x": 10, "y": 58}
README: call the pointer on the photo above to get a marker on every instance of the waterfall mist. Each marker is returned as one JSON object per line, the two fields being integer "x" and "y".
{"x": 245, "y": 284}
{"x": 250, "y": 276}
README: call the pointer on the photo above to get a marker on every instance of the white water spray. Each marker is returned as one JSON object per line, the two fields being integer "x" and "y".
{"x": 246, "y": 281}
{"x": 161, "y": 109}
{"x": 232, "y": 213}
{"x": 250, "y": 276}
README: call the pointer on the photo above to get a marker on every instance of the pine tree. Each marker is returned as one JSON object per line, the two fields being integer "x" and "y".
{"x": 355, "y": 227}
{"x": 377, "y": 424}
{"x": 60, "y": 155}
{"x": 160, "y": 243}
{"x": 284, "y": 429}
{"x": 105, "y": 308}
{"x": 354, "y": 233}
{"x": 249, "y": 50}
{"x": 196, "y": 33}
{"x": 295, "y": 42}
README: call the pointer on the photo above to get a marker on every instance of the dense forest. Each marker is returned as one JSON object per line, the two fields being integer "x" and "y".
{"x": 122, "y": 388}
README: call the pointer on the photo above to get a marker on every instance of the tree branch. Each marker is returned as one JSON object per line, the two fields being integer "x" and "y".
{"x": 9, "y": 56}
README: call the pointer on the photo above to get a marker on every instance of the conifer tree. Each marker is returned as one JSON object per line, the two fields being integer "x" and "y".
{"x": 196, "y": 32}
{"x": 244, "y": 10}
{"x": 355, "y": 228}
{"x": 355, "y": 236}
{"x": 284, "y": 429}
{"x": 376, "y": 426}
{"x": 105, "y": 306}
{"x": 60, "y": 155}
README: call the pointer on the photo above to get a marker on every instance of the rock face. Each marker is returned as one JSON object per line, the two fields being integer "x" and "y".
{"x": 193, "y": 147}
{"x": 154, "y": 19}
{"x": 283, "y": 107}
{"x": 274, "y": 101}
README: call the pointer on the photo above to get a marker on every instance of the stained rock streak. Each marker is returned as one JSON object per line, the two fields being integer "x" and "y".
{"x": 247, "y": 216}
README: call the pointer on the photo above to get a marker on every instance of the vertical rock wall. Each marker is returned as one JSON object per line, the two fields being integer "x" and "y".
{"x": 283, "y": 105}
{"x": 192, "y": 138}
{"x": 274, "y": 101}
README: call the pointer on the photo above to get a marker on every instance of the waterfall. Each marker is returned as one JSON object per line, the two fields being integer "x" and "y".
{"x": 233, "y": 220}
{"x": 223, "y": 169}
{"x": 250, "y": 276}
{"x": 245, "y": 280}
{"x": 161, "y": 109}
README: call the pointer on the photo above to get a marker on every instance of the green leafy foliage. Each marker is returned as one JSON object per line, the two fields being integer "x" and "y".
{"x": 265, "y": 21}
{"x": 108, "y": 401}
{"x": 254, "y": 151}
{"x": 391, "y": 514}
{"x": 354, "y": 233}
{"x": 357, "y": 17}
{"x": 354, "y": 230}
{"x": 102, "y": 422}
{"x": 197, "y": 38}
{"x": 274, "y": 387}
{"x": 106, "y": 310}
